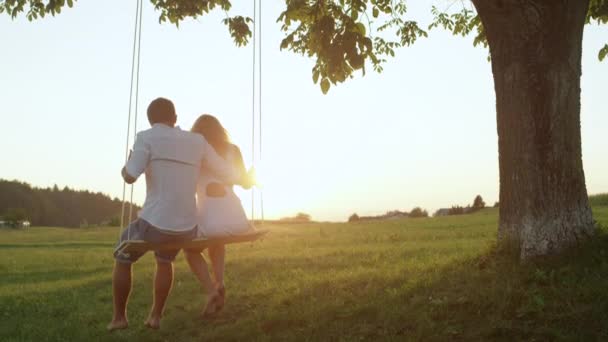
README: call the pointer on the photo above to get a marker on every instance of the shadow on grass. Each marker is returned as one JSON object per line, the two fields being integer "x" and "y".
{"x": 32, "y": 278}
{"x": 488, "y": 297}
{"x": 61, "y": 245}
{"x": 59, "y": 314}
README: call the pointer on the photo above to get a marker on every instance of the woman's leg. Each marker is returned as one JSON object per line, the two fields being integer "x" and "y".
{"x": 217, "y": 255}
{"x": 198, "y": 266}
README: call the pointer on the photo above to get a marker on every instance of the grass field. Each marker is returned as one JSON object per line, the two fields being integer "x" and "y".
{"x": 415, "y": 279}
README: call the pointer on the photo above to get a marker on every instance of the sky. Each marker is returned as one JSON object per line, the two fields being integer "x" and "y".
{"x": 421, "y": 133}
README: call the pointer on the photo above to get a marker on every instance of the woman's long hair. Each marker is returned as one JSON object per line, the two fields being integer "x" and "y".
{"x": 210, "y": 127}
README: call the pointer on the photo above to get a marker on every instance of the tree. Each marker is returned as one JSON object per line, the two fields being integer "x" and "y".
{"x": 353, "y": 218}
{"x": 14, "y": 216}
{"x": 478, "y": 203}
{"x": 114, "y": 222}
{"x": 418, "y": 212}
{"x": 303, "y": 217}
{"x": 456, "y": 210}
{"x": 299, "y": 218}
{"x": 535, "y": 51}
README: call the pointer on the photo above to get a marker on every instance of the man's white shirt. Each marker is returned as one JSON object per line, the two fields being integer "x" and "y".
{"x": 172, "y": 160}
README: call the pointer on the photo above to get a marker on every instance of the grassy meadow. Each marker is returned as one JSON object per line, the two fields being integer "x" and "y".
{"x": 413, "y": 279}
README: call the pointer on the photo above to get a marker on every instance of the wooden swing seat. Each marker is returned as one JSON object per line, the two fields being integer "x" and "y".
{"x": 140, "y": 246}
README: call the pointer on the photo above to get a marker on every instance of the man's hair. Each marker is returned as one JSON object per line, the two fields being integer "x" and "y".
{"x": 161, "y": 110}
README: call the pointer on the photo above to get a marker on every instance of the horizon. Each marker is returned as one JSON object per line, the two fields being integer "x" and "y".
{"x": 422, "y": 133}
{"x": 431, "y": 212}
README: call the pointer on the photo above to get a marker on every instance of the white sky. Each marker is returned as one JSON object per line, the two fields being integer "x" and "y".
{"x": 422, "y": 133}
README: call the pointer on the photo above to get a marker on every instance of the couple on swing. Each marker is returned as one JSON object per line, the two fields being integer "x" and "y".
{"x": 189, "y": 178}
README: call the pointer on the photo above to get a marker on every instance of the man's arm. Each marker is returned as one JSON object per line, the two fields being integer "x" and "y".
{"x": 126, "y": 176}
{"x": 137, "y": 162}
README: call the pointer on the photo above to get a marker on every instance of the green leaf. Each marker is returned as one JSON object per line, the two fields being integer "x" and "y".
{"x": 315, "y": 76}
{"x": 603, "y": 52}
{"x": 325, "y": 85}
{"x": 375, "y": 12}
{"x": 361, "y": 29}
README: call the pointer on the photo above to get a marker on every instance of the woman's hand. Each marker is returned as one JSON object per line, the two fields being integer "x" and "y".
{"x": 249, "y": 179}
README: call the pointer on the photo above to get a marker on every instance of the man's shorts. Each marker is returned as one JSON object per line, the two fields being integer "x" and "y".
{"x": 142, "y": 230}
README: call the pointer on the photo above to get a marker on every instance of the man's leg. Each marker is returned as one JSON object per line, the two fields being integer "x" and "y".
{"x": 121, "y": 288}
{"x": 121, "y": 277}
{"x": 163, "y": 281}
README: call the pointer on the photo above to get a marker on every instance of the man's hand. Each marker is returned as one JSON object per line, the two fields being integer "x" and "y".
{"x": 127, "y": 177}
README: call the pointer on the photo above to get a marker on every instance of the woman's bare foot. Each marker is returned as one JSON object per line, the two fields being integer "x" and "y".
{"x": 152, "y": 322}
{"x": 212, "y": 305}
{"x": 221, "y": 290}
{"x": 118, "y": 325}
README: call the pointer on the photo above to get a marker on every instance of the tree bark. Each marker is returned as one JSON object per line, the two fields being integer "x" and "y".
{"x": 536, "y": 47}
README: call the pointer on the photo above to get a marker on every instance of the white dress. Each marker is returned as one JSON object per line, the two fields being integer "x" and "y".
{"x": 220, "y": 214}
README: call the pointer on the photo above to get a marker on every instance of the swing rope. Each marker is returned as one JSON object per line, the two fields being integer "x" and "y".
{"x": 260, "y": 102}
{"x": 253, "y": 67}
{"x": 134, "y": 106}
{"x": 135, "y": 61}
{"x": 129, "y": 246}
{"x": 257, "y": 44}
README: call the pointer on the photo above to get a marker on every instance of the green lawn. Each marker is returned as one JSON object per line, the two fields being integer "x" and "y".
{"x": 414, "y": 279}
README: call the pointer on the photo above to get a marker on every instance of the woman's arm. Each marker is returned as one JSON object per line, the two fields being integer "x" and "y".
{"x": 239, "y": 165}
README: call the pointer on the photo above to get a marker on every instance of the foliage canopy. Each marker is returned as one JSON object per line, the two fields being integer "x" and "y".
{"x": 341, "y": 35}
{"x": 478, "y": 202}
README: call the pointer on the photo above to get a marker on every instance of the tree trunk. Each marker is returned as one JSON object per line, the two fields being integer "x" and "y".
{"x": 536, "y": 47}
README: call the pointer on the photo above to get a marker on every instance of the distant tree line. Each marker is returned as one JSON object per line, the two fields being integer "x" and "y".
{"x": 391, "y": 215}
{"x": 298, "y": 218}
{"x": 57, "y": 207}
{"x": 478, "y": 204}
{"x": 598, "y": 200}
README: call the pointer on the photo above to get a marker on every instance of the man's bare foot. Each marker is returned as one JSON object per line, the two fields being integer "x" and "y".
{"x": 118, "y": 325}
{"x": 152, "y": 322}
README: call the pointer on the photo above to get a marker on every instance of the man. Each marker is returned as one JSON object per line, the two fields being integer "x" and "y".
{"x": 171, "y": 159}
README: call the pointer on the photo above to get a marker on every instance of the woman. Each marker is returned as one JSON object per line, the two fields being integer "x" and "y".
{"x": 220, "y": 213}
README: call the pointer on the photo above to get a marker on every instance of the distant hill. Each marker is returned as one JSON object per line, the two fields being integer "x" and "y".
{"x": 55, "y": 207}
